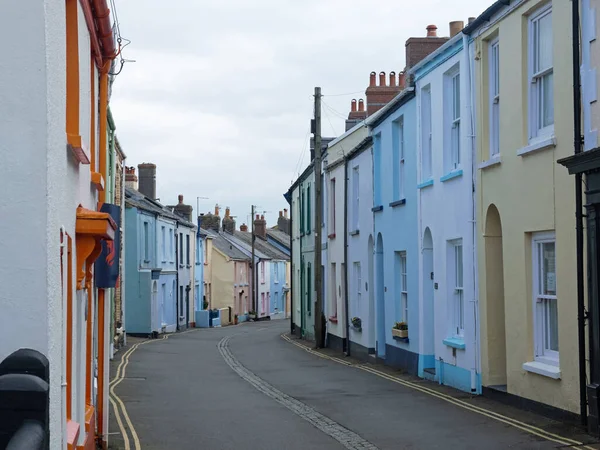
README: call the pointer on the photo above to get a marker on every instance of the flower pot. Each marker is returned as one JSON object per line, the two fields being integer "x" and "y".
{"x": 399, "y": 333}
{"x": 251, "y": 316}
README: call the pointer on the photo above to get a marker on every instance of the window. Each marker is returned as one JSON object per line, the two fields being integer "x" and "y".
{"x": 399, "y": 146}
{"x": 455, "y": 122}
{"x": 308, "y": 211}
{"x": 276, "y": 272}
{"x": 163, "y": 301}
{"x": 544, "y": 297}
{"x": 541, "y": 74}
{"x": 355, "y": 197}
{"x": 494, "y": 81}
{"x": 181, "y": 301}
{"x": 262, "y": 271}
{"x": 302, "y": 212}
{"x": 426, "y": 133}
{"x": 309, "y": 288}
{"x": 377, "y": 170}
{"x": 403, "y": 286}
{"x": 187, "y": 248}
{"x": 333, "y": 298}
{"x": 262, "y": 301}
{"x": 332, "y": 209}
{"x": 171, "y": 246}
{"x": 357, "y": 287}
{"x": 163, "y": 240}
{"x": 198, "y": 249}
{"x": 181, "y": 248}
{"x": 146, "y": 243}
{"x": 459, "y": 295}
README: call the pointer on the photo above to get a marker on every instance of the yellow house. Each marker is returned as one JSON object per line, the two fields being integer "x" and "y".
{"x": 521, "y": 68}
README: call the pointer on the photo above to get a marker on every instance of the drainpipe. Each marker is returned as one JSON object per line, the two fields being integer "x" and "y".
{"x": 291, "y": 268}
{"x": 122, "y": 274}
{"x": 471, "y": 148}
{"x": 347, "y": 352}
{"x": 63, "y": 382}
{"x": 176, "y": 276}
{"x": 578, "y": 141}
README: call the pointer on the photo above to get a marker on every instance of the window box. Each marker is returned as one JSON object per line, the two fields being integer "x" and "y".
{"x": 399, "y": 333}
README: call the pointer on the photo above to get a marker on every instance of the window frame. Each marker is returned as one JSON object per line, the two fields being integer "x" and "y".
{"x": 458, "y": 289}
{"x": 401, "y": 159}
{"x": 542, "y": 354}
{"x": 536, "y": 129}
{"x": 494, "y": 97}
{"x": 187, "y": 248}
{"x": 356, "y": 197}
{"x": 426, "y": 166}
{"x": 332, "y": 209}
{"x": 357, "y": 287}
{"x": 146, "y": 226}
{"x": 403, "y": 285}
{"x": 163, "y": 237}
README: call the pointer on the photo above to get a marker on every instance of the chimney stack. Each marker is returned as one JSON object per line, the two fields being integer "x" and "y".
{"x": 418, "y": 48}
{"x": 147, "y": 173}
{"x": 183, "y": 210}
{"x": 356, "y": 115}
{"x": 131, "y": 179}
{"x": 456, "y": 27}
{"x": 471, "y": 20}
{"x": 260, "y": 227}
{"x": 228, "y": 222}
{"x": 180, "y": 199}
{"x": 283, "y": 223}
{"x": 379, "y": 96}
{"x": 244, "y": 227}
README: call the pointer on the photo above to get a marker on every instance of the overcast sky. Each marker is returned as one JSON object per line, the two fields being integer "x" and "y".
{"x": 220, "y": 95}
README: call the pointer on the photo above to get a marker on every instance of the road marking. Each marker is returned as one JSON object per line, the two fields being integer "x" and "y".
{"x": 344, "y": 436}
{"x": 116, "y": 401}
{"x": 448, "y": 398}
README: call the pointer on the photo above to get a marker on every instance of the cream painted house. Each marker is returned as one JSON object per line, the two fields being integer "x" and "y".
{"x": 522, "y": 67}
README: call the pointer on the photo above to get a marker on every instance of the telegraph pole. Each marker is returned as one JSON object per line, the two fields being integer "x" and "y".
{"x": 254, "y": 277}
{"x": 319, "y": 317}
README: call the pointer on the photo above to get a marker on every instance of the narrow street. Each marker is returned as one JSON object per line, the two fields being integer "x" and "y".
{"x": 247, "y": 387}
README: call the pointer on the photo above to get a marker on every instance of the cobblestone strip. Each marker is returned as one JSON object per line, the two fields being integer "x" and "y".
{"x": 344, "y": 436}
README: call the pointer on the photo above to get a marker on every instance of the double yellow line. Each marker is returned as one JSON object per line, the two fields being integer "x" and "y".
{"x": 448, "y": 398}
{"x": 116, "y": 401}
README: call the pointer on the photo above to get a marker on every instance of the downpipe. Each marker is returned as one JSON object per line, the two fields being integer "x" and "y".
{"x": 347, "y": 312}
{"x": 63, "y": 379}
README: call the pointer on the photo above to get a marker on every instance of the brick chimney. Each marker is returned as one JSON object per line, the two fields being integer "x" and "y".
{"x": 183, "y": 210}
{"x": 147, "y": 184}
{"x": 418, "y": 48}
{"x": 244, "y": 227}
{"x": 357, "y": 113}
{"x": 283, "y": 223}
{"x": 380, "y": 95}
{"x": 131, "y": 179}
{"x": 260, "y": 227}
{"x": 228, "y": 222}
{"x": 456, "y": 27}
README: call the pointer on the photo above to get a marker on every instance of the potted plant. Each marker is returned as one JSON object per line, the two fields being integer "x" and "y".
{"x": 356, "y": 323}
{"x": 205, "y": 304}
{"x": 400, "y": 330}
{"x": 235, "y": 319}
{"x": 252, "y": 315}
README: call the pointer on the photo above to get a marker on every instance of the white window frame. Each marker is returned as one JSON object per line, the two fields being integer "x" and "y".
{"x": 426, "y": 135}
{"x": 536, "y": 129}
{"x": 146, "y": 241}
{"x": 163, "y": 237}
{"x": 458, "y": 278}
{"x": 357, "y": 287}
{"x": 262, "y": 272}
{"x": 455, "y": 120}
{"x": 276, "y": 272}
{"x": 494, "y": 107}
{"x": 332, "y": 209}
{"x": 356, "y": 197}
{"x": 401, "y": 161}
{"x": 542, "y": 354}
{"x": 172, "y": 248}
{"x": 403, "y": 286}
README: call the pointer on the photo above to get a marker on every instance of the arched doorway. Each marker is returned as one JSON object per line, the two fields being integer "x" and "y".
{"x": 494, "y": 299}
{"x": 380, "y": 297}
{"x": 428, "y": 303}
{"x": 370, "y": 291}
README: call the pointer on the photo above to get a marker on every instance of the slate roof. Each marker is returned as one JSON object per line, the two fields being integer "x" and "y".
{"x": 281, "y": 237}
{"x": 138, "y": 200}
{"x": 224, "y": 246}
{"x": 262, "y": 246}
{"x": 245, "y": 247}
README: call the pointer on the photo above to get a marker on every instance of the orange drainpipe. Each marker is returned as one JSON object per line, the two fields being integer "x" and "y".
{"x": 72, "y": 68}
{"x": 93, "y": 121}
{"x": 103, "y": 119}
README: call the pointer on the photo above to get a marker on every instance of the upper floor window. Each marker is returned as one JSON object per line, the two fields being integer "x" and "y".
{"x": 187, "y": 249}
{"x": 494, "y": 110}
{"x": 302, "y": 212}
{"x": 163, "y": 243}
{"x": 332, "y": 207}
{"x": 426, "y": 135}
{"x": 146, "y": 242}
{"x": 377, "y": 170}
{"x": 355, "y": 197}
{"x": 262, "y": 271}
{"x": 198, "y": 249}
{"x": 180, "y": 248}
{"x": 399, "y": 151}
{"x": 541, "y": 74}
{"x": 308, "y": 211}
{"x": 276, "y": 272}
{"x": 452, "y": 120}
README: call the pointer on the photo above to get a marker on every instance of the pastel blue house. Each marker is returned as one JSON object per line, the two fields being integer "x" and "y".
{"x": 395, "y": 237}
{"x": 199, "y": 277}
{"x": 278, "y": 289}
{"x": 166, "y": 231}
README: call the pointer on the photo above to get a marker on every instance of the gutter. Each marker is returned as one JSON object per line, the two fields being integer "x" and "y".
{"x": 485, "y": 16}
{"x": 102, "y": 41}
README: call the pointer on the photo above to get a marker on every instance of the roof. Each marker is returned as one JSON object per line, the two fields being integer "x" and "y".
{"x": 399, "y": 100}
{"x": 360, "y": 147}
{"x": 281, "y": 237}
{"x": 485, "y": 16}
{"x": 138, "y": 200}
{"x": 245, "y": 247}
{"x": 227, "y": 248}
{"x": 264, "y": 247}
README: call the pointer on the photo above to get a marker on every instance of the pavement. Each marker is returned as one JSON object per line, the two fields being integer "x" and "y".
{"x": 252, "y": 386}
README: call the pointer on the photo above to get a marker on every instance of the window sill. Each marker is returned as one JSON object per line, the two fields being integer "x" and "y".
{"x": 425, "y": 184}
{"x": 206, "y": 264}
{"x": 333, "y": 319}
{"x": 451, "y": 175}
{"x": 331, "y": 236}
{"x": 164, "y": 262}
{"x": 545, "y": 370}
{"x": 493, "y": 161}
{"x": 354, "y": 233}
{"x": 400, "y": 202}
{"x": 455, "y": 342}
{"x": 401, "y": 339}
{"x": 377, "y": 208}
{"x": 538, "y": 145}
{"x": 146, "y": 261}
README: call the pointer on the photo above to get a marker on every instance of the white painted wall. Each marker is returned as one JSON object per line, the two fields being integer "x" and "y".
{"x": 358, "y": 249}
{"x": 447, "y": 209}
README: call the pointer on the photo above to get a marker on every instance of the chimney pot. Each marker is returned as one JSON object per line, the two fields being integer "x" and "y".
{"x": 280, "y": 213}
{"x": 353, "y": 105}
{"x": 227, "y": 212}
{"x": 180, "y": 199}
{"x": 382, "y": 79}
{"x": 456, "y": 27}
{"x": 401, "y": 79}
{"x": 361, "y": 105}
{"x": 285, "y": 211}
{"x": 392, "y": 78}
{"x": 258, "y": 217}
{"x": 471, "y": 20}
{"x": 216, "y": 210}
{"x": 262, "y": 217}
{"x": 431, "y": 31}
{"x": 372, "y": 80}
{"x": 243, "y": 227}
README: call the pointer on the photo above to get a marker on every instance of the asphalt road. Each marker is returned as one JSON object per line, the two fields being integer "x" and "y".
{"x": 244, "y": 387}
